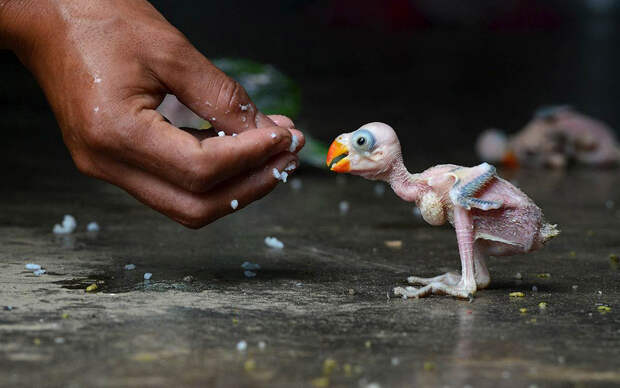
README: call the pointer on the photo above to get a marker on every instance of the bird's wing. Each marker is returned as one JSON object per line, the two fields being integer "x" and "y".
{"x": 468, "y": 182}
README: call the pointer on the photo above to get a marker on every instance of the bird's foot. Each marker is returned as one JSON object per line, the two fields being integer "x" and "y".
{"x": 451, "y": 279}
{"x": 460, "y": 290}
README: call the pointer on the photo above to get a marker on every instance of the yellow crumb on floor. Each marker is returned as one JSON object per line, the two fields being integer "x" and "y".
{"x": 516, "y": 294}
{"x": 92, "y": 287}
{"x": 394, "y": 244}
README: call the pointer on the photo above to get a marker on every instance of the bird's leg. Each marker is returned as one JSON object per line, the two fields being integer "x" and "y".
{"x": 466, "y": 285}
{"x": 481, "y": 273}
{"x": 480, "y": 268}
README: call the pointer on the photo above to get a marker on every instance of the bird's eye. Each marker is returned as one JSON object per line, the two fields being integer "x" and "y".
{"x": 363, "y": 140}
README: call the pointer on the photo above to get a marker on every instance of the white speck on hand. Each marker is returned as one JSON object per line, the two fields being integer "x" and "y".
{"x": 273, "y": 242}
{"x": 234, "y": 203}
{"x": 273, "y": 135}
{"x": 96, "y": 109}
{"x": 294, "y": 143}
{"x": 96, "y": 80}
{"x": 234, "y": 134}
{"x": 213, "y": 118}
{"x": 244, "y": 107}
{"x": 92, "y": 227}
{"x": 283, "y": 176}
{"x": 207, "y": 103}
{"x": 68, "y": 225}
{"x": 148, "y": 276}
{"x": 242, "y": 346}
{"x": 221, "y": 133}
{"x": 243, "y": 118}
{"x": 344, "y": 207}
{"x": 291, "y": 166}
{"x": 276, "y": 173}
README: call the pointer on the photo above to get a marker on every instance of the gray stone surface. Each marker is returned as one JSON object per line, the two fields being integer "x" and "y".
{"x": 325, "y": 296}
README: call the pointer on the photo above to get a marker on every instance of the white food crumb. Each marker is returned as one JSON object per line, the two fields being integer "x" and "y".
{"x": 296, "y": 184}
{"x": 249, "y": 274}
{"x": 273, "y": 135}
{"x": 373, "y": 385}
{"x": 148, "y": 275}
{"x": 92, "y": 227}
{"x": 221, "y": 133}
{"x": 68, "y": 225}
{"x": 207, "y": 103}
{"x": 395, "y": 361}
{"x": 234, "y": 134}
{"x": 250, "y": 266}
{"x": 379, "y": 189}
{"x": 242, "y": 346}
{"x": 39, "y": 272}
{"x": 234, "y": 203}
{"x": 59, "y": 340}
{"x": 291, "y": 166}
{"x": 244, "y": 107}
{"x": 96, "y": 109}
{"x": 262, "y": 345}
{"x": 344, "y": 207}
{"x": 243, "y": 119}
{"x": 32, "y": 267}
{"x": 280, "y": 175}
{"x": 130, "y": 267}
{"x": 213, "y": 118}
{"x": 294, "y": 143}
{"x": 97, "y": 80}
{"x": 273, "y": 242}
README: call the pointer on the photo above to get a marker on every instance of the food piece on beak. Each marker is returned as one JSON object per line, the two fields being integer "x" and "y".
{"x": 338, "y": 156}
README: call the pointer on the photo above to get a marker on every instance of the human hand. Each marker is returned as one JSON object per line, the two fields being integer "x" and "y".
{"x": 105, "y": 66}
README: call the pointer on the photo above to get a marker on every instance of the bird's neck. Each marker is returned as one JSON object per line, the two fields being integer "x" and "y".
{"x": 402, "y": 181}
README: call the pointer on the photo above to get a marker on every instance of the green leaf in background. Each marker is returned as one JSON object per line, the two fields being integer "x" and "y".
{"x": 273, "y": 93}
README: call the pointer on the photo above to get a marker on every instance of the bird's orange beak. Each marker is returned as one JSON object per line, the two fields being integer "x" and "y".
{"x": 338, "y": 157}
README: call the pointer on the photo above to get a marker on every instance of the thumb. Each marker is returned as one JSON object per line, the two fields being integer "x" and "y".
{"x": 208, "y": 92}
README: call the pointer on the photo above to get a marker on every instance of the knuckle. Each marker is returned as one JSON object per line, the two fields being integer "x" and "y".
{"x": 231, "y": 94}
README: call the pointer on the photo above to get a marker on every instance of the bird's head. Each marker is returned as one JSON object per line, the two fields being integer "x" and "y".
{"x": 370, "y": 151}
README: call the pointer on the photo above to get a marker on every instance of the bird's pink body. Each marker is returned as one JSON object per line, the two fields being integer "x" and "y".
{"x": 489, "y": 214}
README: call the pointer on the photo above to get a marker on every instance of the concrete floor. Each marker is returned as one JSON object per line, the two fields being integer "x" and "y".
{"x": 325, "y": 296}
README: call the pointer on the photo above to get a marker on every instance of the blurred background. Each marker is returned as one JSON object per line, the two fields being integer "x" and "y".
{"x": 438, "y": 71}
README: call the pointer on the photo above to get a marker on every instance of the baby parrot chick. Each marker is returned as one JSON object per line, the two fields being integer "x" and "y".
{"x": 490, "y": 215}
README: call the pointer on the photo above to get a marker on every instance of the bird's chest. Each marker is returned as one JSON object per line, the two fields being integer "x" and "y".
{"x": 435, "y": 208}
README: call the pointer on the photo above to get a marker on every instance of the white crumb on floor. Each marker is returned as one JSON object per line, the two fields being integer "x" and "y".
{"x": 294, "y": 143}
{"x": 296, "y": 184}
{"x": 249, "y": 274}
{"x": 344, "y": 207}
{"x": 92, "y": 227}
{"x": 148, "y": 276}
{"x": 379, "y": 189}
{"x": 97, "y": 80}
{"x": 262, "y": 345}
{"x": 38, "y": 272}
{"x": 242, "y": 346}
{"x": 68, "y": 225}
{"x": 32, "y": 267}
{"x": 130, "y": 267}
{"x": 273, "y": 242}
{"x": 250, "y": 266}
{"x": 221, "y": 133}
{"x": 234, "y": 203}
